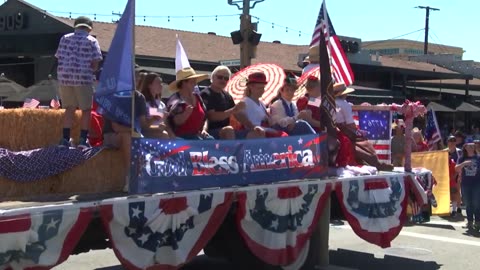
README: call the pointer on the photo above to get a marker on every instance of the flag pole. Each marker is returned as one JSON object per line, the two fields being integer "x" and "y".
{"x": 132, "y": 133}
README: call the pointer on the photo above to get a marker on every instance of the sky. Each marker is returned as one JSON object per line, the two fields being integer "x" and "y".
{"x": 292, "y": 22}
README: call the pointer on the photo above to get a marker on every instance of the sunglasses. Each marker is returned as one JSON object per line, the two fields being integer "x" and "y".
{"x": 220, "y": 77}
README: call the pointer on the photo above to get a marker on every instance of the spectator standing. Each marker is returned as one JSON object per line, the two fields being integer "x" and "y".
{"x": 454, "y": 154}
{"x": 469, "y": 168}
{"x": 78, "y": 57}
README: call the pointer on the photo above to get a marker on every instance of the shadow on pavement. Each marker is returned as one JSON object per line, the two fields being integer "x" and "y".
{"x": 367, "y": 261}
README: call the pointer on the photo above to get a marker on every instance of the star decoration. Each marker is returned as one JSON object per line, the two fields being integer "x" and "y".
{"x": 144, "y": 238}
{"x": 52, "y": 224}
{"x": 274, "y": 224}
{"x": 136, "y": 212}
{"x": 355, "y": 205}
{"x": 217, "y": 145}
{"x": 300, "y": 141}
{"x": 131, "y": 230}
{"x": 353, "y": 188}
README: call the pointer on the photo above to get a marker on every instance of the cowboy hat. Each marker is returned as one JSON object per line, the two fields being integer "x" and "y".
{"x": 341, "y": 89}
{"x": 314, "y": 54}
{"x": 186, "y": 74}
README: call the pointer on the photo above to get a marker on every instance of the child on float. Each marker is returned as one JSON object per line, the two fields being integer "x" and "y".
{"x": 151, "y": 88}
{"x": 311, "y": 102}
{"x": 284, "y": 114}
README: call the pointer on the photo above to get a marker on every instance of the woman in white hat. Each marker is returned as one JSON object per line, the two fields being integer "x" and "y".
{"x": 187, "y": 110}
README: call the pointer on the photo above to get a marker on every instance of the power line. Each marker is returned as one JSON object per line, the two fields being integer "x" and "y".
{"x": 381, "y": 41}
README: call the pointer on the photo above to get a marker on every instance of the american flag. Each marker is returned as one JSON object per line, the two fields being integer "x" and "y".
{"x": 54, "y": 103}
{"x": 377, "y": 125}
{"x": 432, "y": 132}
{"x": 30, "y": 103}
{"x": 339, "y": 61}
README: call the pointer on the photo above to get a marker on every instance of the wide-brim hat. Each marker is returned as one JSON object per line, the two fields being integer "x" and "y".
{"x": 314, "y": 54}
{"x": 186, "y": 74}
{"x": 341, "y": 89}
{"x": 83, "y": 21}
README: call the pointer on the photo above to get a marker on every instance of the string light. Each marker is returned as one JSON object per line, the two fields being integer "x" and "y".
{"x": 170, "y": 17}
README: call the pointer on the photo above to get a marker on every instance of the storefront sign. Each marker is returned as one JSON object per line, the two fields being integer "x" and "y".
{"x": 12, "y": 22}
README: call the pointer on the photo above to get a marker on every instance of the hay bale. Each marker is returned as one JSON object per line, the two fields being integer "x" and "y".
{"x": 103, "y": 173}
{"x": 26, "y": 129}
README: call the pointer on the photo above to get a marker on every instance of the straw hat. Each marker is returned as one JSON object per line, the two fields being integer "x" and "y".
{"x": 186, "y": 74}
{"x": 341, "y": 89}
{"x": 314, "y": 54}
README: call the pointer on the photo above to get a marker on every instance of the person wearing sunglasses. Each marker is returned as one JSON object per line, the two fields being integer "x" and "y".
{"x": 220, "y": 105}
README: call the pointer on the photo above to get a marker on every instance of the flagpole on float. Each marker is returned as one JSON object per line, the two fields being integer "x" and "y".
{"x": 132, "y": 122}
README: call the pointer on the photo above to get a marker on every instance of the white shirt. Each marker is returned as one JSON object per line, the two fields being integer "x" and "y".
{"x": 256, "y": 113}
{"x": 279, "y": 115}
{"x": 344, "y": 112}
{"x": 160, "y": 110}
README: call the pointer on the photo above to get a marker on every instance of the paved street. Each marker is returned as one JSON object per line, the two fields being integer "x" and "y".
{"x": 440, "y": 244}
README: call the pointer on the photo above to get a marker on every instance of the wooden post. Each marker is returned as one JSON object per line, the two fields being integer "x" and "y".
{"x": 245, "y": 51}
{"x": 324, "y": 227}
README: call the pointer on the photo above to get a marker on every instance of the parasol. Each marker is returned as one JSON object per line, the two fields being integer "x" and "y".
{"x": 275, "y": 77}
{"x": 302, "y": 81}
{"x": 45, "y": 90}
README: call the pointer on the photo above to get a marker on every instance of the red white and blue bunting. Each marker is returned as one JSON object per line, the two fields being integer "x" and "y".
{"x": 276, "y": 222}
{"x": 43, "y": 238}
{"x": 164, "y": 231}
{"x": 375, "y": 206}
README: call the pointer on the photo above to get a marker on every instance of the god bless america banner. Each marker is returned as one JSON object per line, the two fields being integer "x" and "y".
{"x": 177, "y": 165}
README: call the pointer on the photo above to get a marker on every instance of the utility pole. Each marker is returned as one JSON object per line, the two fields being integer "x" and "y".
{"x": 247, "y": 49}
{"x": 427, "y": 16}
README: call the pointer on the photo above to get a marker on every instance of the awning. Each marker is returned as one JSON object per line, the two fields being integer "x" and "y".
{"x": 439, "y": 107}
{"x": 467, "y": 107}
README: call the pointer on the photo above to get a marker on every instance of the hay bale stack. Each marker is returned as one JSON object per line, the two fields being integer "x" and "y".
{"x": 25, "y": 129}
{"x": 100, "y": 174}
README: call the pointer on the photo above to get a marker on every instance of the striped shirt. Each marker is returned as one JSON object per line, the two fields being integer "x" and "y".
{"x": 76, "y": 52}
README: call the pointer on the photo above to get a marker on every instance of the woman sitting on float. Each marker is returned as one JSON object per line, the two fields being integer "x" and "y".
{"x": 284, "y": 113}
{"x": 255, "y": 116}
{"x": 354, "y": 147}
{"x": 187, "y": 115}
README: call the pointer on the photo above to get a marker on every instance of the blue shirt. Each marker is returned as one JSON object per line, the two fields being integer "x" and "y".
{"x": 470, "y": 172}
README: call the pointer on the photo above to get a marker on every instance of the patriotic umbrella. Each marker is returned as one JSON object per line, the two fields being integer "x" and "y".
{"x": 275, "y": 77}
{"x": 42, "y": 238}
{"x": 162, "y": 232}
{"x": 302, "y": 81}
{"x": 375, "y": 207}
{"x": 276, "y": 222}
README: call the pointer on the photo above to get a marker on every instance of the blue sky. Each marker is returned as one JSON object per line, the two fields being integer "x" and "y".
{"x": 368, "y": 20}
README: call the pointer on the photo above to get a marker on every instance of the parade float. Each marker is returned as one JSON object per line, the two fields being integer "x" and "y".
{"x": 269, "y": 198}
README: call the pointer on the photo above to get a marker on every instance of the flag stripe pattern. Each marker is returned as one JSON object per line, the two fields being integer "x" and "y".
{"x": 54, "y": 103}
{"x": 161, "y": 231}
{"x": 276, "y": 222}
{"x": 375, "y": 215}
{"x": 377, "y": 125}
{"x": 432, "y": 132}
{"x": 42, "y": 238}
{"x": 339, "y": 61}
{"x": 30, "y": 103}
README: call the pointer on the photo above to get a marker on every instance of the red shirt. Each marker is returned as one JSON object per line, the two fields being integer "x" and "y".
{"x": 420, "y": 147}
{"x": 302, "y": 104}
{"x": 194, "y": 123}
